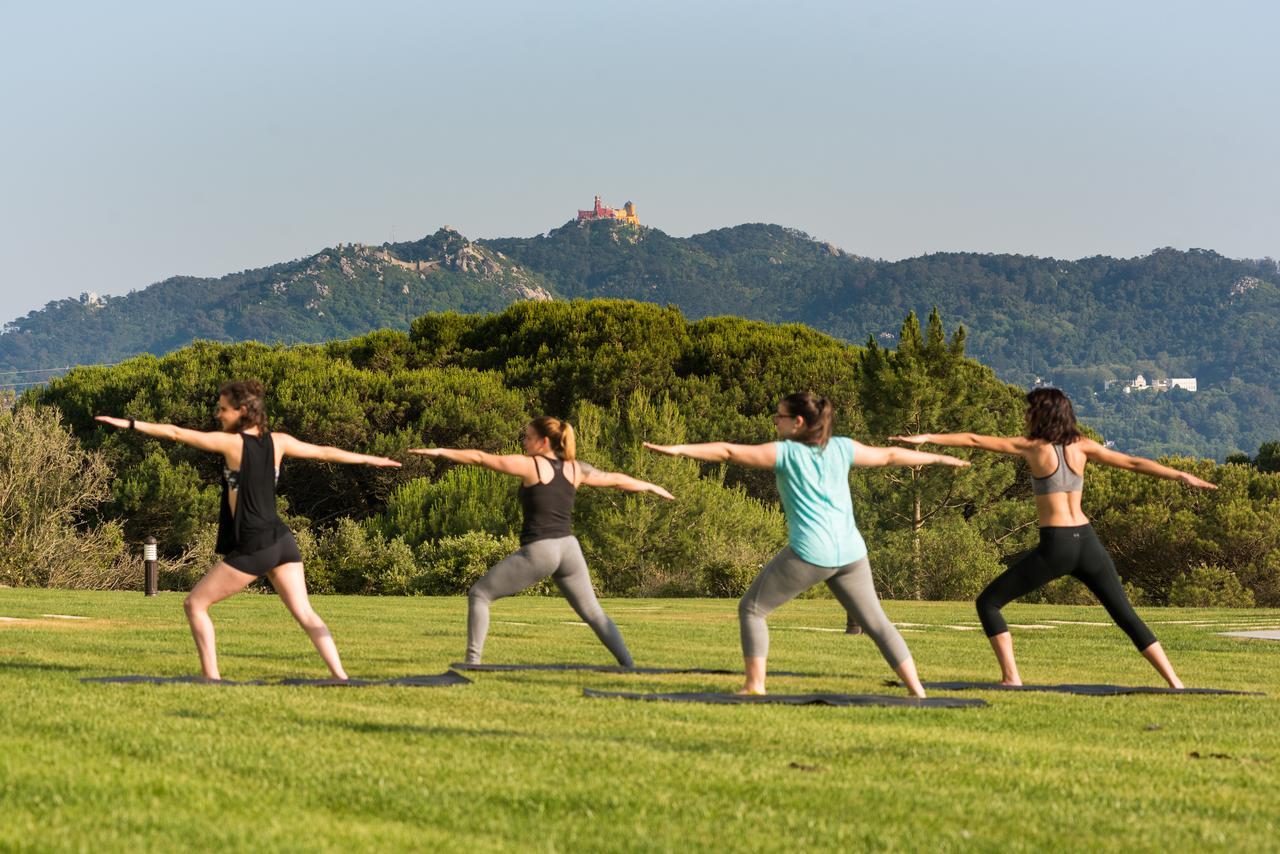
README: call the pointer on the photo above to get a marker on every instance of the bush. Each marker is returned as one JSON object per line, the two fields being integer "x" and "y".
{"x": 953, "y": 561}
{"x": 1207, "y": 585}
{"x": 352, "y": 558}
{"x": 48, "y": 484}
{"x": 466, "y": 498}
{"x": 451, "y": 565}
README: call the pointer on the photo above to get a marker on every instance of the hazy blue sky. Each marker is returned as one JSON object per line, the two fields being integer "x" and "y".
{"x": 155, "y": 139}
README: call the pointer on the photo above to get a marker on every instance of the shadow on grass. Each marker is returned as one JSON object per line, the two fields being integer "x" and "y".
{"x": 41, "y": 665}
{"x": 374, "y": 728}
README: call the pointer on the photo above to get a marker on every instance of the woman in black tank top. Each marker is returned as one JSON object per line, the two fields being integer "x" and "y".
{"x": 1068, "y": 545}
{"x": 550, "y": 475}
{"x": 253, "y": 539}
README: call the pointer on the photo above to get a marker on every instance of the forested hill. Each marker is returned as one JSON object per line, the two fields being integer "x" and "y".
{"x": 336, "y": 293}
{"x": 1073, "y": 323}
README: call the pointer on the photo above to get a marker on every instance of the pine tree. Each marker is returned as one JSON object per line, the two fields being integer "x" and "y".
{"x": 928, "y": 386}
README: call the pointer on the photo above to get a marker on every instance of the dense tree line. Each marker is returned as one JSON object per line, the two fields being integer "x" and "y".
{"x": 624, "y": 372}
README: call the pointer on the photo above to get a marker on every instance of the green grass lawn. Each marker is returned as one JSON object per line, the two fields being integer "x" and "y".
{"x": 523, "y": 761}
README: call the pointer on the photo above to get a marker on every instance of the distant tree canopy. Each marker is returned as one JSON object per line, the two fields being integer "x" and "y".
{"x": 624, "y": 372}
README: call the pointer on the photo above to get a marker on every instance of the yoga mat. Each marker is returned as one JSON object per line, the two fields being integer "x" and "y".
{"x": 793, "y": 699}
{"x": 427, "y": 681}
{"x": 439, "y": 680}
{"x": 611, "y": 668}
{"x": 1089, "y": 690}
{"x": 1259, "y": 635}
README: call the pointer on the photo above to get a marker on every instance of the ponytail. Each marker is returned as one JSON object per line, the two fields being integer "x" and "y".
{"x": 818, "y": 415}
{"x": 559, "y": 434}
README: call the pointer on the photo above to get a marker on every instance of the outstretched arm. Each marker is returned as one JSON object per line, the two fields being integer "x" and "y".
{"x": 298, "y": 449}
{"x": 1107, "y": 457}
{"x": 871, "y": 455}
{"x": 757, "y": 456}
{"x": 218, "y": 442}
{"x": 1000, "y": 444}
{"x": 514, "y": 464}
{"x": 592, "y": 476}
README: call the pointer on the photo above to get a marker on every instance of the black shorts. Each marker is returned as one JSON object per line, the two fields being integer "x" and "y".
{"x": 283, "y": 550}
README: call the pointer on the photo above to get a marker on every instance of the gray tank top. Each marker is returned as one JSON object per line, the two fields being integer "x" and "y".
{"x": 1063, "y": 478}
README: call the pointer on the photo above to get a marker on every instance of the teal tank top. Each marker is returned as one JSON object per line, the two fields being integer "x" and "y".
{"x": 813, "y": 483}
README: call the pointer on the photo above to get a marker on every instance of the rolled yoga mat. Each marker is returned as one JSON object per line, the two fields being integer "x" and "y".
{"x": 792, "y": 699}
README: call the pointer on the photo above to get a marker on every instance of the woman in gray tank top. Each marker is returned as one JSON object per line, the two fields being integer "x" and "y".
{"x": 550, "y": 475}
{"x": 1057, "y": 453}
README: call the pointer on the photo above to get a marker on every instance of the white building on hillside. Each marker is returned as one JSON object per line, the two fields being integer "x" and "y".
{"x": 1188, "y": 383}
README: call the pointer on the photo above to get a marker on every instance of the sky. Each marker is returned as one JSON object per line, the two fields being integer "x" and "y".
{"x": 144, "y": 140}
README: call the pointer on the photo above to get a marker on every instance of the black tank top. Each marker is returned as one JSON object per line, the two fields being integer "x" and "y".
{"x": 255, "y": 525}
{"x": 548, "y": 507}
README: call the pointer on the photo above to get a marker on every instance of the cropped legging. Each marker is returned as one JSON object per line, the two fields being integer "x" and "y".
{"x": 787, "y": 576}
{"x": 560, "y": 558}
{"x": 1073, "y": 551}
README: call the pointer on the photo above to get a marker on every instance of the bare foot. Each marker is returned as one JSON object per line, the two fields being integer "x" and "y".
{"x": 1012, "y": 683}
{"x": 1176, "y": 683}
{"x": 751, "y": 691}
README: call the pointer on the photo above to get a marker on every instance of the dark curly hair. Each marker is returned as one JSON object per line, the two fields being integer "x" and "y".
{"x": 251, "y": 396}
{"x": 1050, "y": 417}
{"x": 817, "y": 413}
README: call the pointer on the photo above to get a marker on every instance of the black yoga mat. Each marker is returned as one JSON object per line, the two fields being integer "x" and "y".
{"x": 430, "y": 681}
{"x": 438, "y": 680}
{"x": 1089, "y": 690}
{"x": 612, "y": 668}
{"x": 792, "y": 699}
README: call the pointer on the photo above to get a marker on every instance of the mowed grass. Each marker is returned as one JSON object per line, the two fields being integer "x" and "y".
{"x": 522, "y": 761}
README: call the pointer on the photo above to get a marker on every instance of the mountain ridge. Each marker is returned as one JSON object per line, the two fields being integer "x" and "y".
{"x": 1075, "y": 323}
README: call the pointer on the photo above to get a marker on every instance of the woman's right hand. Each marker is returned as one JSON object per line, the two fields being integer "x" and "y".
{"x": 669, "y": 450}
{"x": 1191, "y": 480}
{"x": 427, "y": 452}
{"x": 660, "y": 492}
{"x": 918, "y": 439}
{"x": 122, "y": 423}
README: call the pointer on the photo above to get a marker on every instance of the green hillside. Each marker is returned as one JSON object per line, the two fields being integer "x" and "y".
{"x": 1077, "y": 324}
{"x": 336, "y": 293}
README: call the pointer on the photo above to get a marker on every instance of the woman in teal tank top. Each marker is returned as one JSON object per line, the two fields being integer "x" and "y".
{"x": 823, "y": 542}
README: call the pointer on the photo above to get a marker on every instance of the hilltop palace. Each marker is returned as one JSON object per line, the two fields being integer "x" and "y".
{"x": 627, "y": 214}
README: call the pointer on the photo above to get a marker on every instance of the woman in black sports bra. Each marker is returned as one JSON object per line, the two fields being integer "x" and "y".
{"x": 550, "y": 475}
{"x": 252, "y": 538}
{"x": 1057, "y": 453}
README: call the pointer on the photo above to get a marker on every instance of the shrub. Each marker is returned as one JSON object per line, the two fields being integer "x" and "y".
{"x": 1207, "y": 585}
{"x": 48, "y": 484}
{"x": 451, "y": 565}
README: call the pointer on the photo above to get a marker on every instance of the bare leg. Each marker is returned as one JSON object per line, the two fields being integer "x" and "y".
{"x": 218, "y": 583}
{"x": 1003, "y": 646}
{"x": 907, "y": 673}
{"x": 755, "y": 667}
{"x": 291, "y": 584}
{"x": 1155, "y": 654}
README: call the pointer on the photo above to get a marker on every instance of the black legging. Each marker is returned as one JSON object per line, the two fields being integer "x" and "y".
{"x": 1064, "y": 551}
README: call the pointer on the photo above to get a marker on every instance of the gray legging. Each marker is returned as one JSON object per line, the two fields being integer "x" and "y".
{"x": 787, "y": 576}
{"x": 562, "y": 559}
